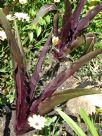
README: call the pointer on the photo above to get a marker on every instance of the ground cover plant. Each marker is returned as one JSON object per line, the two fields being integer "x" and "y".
{"x": 74, "y": 125}
{"x": 63, "y": 41}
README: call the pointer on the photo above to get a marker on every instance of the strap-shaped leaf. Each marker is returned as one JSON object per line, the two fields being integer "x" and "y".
{"x": 86, "y": 20}
{"x": 35, "y": 76}
{"x": 17, "y": 56}
{"x": 43, "y": 11}
{"x": 66, "y": 23}
{"x": 17, "y": 36}
{"x": 75, "y": 44}
{"x": 90, "y": 42}
{"x": 62, "y": 96}
{"x": 67, "y": 13}
{"x": 55, "y": 24}
{"x": 22, "y": 99}
{"x": 71, "y": 123}
{"x": 77, "y": 12}
{"x": 63, "y": 76}
{"x": 88, "y": 122}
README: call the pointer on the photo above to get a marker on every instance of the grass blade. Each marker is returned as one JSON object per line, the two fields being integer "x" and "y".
{"x": 88, "y": 122}
{"x": 71, "y": 123}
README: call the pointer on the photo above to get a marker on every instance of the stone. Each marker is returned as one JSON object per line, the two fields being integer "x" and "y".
{"x": 88, "y": 103}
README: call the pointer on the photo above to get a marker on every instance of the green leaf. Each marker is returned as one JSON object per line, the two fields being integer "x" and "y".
{"x": 42, "y": 22}
{"x": 38, "y": 31}
{"x": 47, "y": 18}
{"x": 32, "y": 12}
{"x": 62, "y": 96}
{"x": 49, "y": 121}
{"x": 71, "y": 123}
{"x": 30, "y": 34}
{"x": 88, "y": 122}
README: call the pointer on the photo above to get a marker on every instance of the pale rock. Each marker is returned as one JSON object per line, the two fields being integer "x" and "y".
{"x": 88, "y": 103}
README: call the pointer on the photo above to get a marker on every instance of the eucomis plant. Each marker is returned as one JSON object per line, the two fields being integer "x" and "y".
{"x": 27, "y": 103}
